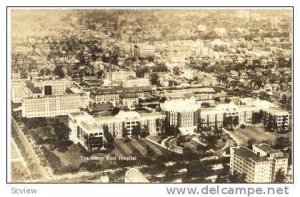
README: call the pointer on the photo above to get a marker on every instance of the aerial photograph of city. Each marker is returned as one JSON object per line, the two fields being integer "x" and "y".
{"x": 150, "y": 95}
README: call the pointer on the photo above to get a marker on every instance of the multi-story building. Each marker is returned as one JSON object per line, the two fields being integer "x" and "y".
{"x": 90, "y": 136}
{"x": 50, "y": 106}
{"x": 181, "y": 113}
{"x": 259, "y": 165}
{"x": 142, "y": 50}
{"x": 276, "y": 119}
{"x": 126, "y": 121}
{"x": 85, "y": 131}
{"x": 279, "y": 159}
{"x": 112, "y": 94}
{"x": 17, "y": 92}
{"x": 45, "y": 88}
{"x": 136, "y": 82}
{"x": 242, "y": 114}
{"x": 211, "y": 118}
{"x": 106, "y": 95}
{"x": 120, "y": 75}
{"x": 51, "y": 98}
{"x": 129, "y": 100}
{"x": 119, "y": 125}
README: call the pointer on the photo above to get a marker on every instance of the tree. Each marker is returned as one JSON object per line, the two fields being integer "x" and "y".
{"x": 211, "y": 140}
{"x": 250, "y": 142}
{"x": 235, "y": 120}
{"x": 140, "y": 72}
{"x": 136, "y": 131}
{"x": 228, "y": 122}
{"x": 257, "y": 117}
{"x": 282, "y": 142}
{"x": 280, "y": 176}
{"x": 160, "y": 68}
{"x": 238, "y": 178}
{"x": 176, "y": 71}
{"x": 58, "y": 71}
{"x": 222, "y": 78}
{"x": 108, "y": 136}
{"x": 283, "y": 99}
{"x": 99, "y": 74}
{"x": 154, "y": 78}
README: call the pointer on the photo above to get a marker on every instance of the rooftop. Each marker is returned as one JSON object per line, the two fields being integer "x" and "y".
{"x": 266, "y": 148}
{"x": 277, "y": 111}
{"x": 247, "y": 154}
{"x": 30, "y": 85}
{"x": 180, "y": 105}
{"x": 135, "y": 176}
{"x": 129, "y": 95}
{"x": 90, "y": 127}
{"x": 120, "y": 90}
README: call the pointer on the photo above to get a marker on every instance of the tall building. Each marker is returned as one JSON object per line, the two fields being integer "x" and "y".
{"x": 259, "y": 165}
{"x": 181, "y": 113}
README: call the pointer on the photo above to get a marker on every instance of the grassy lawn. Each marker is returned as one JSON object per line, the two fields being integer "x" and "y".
{"x": 258, "y": 133}
{"x": 72, "y": 155}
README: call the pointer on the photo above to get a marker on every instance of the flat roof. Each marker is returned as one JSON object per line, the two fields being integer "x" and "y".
{"x": 90, "y": 127}
{"x": 120, "y": 90}
{"x": 267, "y": 148}
{"x": 275, "y": 111}
{"x": 248, "y": 154}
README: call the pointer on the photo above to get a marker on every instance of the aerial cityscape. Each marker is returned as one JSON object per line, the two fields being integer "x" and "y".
{"x": 151, "y": 95}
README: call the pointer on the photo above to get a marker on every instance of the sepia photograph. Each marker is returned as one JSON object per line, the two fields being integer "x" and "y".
{"x": 150, "y": 95}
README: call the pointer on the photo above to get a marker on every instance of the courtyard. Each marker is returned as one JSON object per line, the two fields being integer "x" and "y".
{"x": 257, "y": 133}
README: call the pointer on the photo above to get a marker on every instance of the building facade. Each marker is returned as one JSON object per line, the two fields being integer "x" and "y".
{"x": 259, "y": 165}
{"x": 51, "y": 106}
{"x": 182, "y": 114}
{"x": 118, "y": 126}
{"x": 276, "y": 119}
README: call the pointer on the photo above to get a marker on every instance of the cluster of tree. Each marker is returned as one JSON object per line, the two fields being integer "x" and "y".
{"x": 282, "y": 142}
{"x": 171, "y": 130}
{"x": 53, "y": 160}
{"x": 108, "y": 136}
{"x": 141, "y": 71}
{"x": 58, "y": 71}
{"x": 90, "y": 166}
{"x": 230, "y": 122}
{"x": 197, "y": 172}
{"x": 257, "y": 117}
{"x": 280, "y": 176}
{"x": 154, "y": 79}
